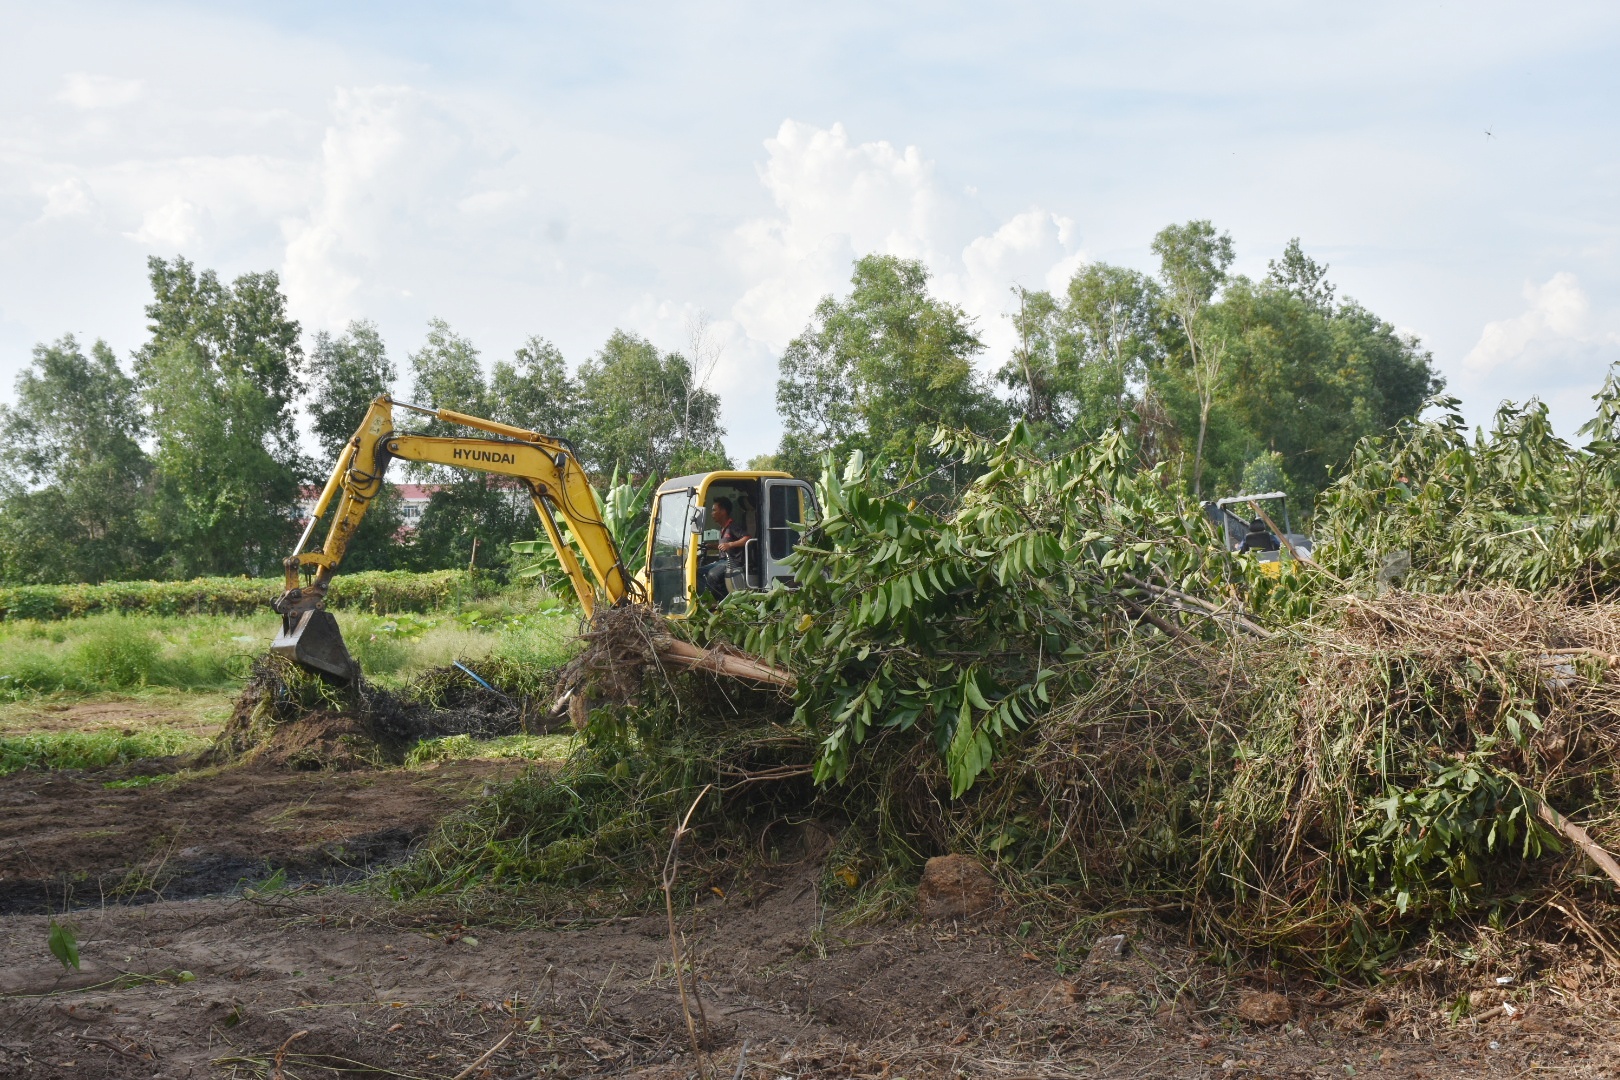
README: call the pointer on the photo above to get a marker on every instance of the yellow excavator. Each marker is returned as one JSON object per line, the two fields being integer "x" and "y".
{"x": 771, "y": 508}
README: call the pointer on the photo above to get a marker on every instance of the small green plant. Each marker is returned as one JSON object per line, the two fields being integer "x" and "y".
{"x": 448, "y": 748}
{"x": 118, "y": 654}
{"x": 1431, "y": 844}
{"x": 137, "y": 782}
{"x": 64, "y": 944}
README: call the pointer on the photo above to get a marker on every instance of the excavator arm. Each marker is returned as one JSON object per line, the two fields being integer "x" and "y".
{"x": 546, "y": 466}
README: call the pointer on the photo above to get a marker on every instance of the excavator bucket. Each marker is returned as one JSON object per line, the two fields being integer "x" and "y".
{"x": 312, "y": 640}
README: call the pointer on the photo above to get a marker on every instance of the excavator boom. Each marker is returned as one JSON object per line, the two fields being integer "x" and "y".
{"x": 546, "y": 466}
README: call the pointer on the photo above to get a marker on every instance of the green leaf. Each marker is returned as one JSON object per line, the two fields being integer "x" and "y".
{"x": 64, "y": 944}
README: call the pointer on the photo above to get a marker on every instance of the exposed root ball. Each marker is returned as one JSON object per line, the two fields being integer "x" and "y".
{"x": 288, "y": 717}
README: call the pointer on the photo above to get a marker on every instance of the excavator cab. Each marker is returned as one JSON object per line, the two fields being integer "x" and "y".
{"x": 772, "y": 509}
{"x": 1235, "y": 519}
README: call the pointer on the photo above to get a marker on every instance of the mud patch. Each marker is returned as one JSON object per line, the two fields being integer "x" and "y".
{"x": 68, "y": 841}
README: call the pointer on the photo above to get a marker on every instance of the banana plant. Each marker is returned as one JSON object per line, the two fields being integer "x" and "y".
{"x": 624, "y": 509}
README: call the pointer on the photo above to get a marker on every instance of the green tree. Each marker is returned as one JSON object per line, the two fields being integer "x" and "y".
{"x": 493, "y": 510}
{"x": 1081, "y": 363}
{"x": 534, "y": 390}
{"x": 1301, "y": 276}
{"x": 446, "y": 374}
{"x": 880, "y": 370}
{"x": 219, "y": 376}
{"x": 346, "y": 374}
{"x": 73, "y": 477}
{"x": 1193, "y": 259}
{"x": 643, "y": 413}
{"x": 1307, "y": 378}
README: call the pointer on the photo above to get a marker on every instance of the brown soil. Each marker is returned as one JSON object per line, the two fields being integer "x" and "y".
{"x": 333, "y": 984}
{"x": 68, "y": 841}
{"x": 317, "y": 981}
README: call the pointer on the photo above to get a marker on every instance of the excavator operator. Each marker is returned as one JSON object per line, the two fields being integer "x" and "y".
{"x": 732, "y": 544}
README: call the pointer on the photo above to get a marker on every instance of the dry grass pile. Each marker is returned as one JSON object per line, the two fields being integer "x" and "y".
{"x": 1400, "y": 764}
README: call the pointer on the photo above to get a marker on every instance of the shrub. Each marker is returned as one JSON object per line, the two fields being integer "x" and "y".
{"x": 118, "y": 654}
{"x": 376, "y": 590}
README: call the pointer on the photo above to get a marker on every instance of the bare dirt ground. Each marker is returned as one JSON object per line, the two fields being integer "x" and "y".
{"x": 67, "y": 841}
{"x": 186, "y": 975}
{"x": 324, "y": 983}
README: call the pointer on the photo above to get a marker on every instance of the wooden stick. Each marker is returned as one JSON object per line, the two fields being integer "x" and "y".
{"x": 1581, "y": 839}
{"x": 485, "y": 1056}
{"x": 671, "y": 868}
{"x": 1289, "y": 544}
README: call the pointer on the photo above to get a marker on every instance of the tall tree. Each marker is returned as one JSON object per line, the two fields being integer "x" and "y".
{"x": 534, "y": 390}
{"x": 446, "y": 374}
{"x": 347, "y": 373}
{"x": 219, "y": 376}
{"x": 1308, "y": 377}
{"x": 1083, "y": 361}
{"x": 73, "y": 477}
{"x": 1193, "y": 259}
{"x": 1301, "y": 276}
{"x": 468, "y": 506}
{"x": 642, "y": 414}
{"x": 880, "y": 370}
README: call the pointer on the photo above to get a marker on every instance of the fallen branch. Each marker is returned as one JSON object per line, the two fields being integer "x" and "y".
{"x": 1219, "y": 612}
{"x": 684, "y": 654}
{"x": 1580, "y": 838}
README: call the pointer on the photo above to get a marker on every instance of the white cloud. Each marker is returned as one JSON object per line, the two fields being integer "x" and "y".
{"x": 1556, "y": 339}
{"x": 68, "y": 198}
{"x": 84, "y": 91}
{"x": 379, "y": 159}
{"x": 175, "y": 225}
{"x": 1557, "y": 350}
{"x": 838, "y": 200}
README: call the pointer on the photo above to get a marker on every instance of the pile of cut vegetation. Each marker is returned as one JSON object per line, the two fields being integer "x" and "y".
{"x": 288, "y": 717}
{"x": 1068, "y": 676}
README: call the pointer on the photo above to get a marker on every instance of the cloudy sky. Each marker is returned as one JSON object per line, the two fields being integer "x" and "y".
{"x": 567, "y": 169}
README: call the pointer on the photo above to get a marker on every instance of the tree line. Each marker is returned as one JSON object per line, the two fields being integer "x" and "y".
{"x": 189, "y": 463}
{"x": 1238, "y": 383}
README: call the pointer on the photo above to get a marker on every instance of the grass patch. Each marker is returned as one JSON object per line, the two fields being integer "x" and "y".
{"x": 506, "y": 747}
{"x": 138, "y": 782}
{"x": 134, "y": 654}
{"x": 92, "y": 750}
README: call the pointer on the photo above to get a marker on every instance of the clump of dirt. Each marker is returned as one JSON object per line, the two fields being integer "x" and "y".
{"x": 288, "y": 717}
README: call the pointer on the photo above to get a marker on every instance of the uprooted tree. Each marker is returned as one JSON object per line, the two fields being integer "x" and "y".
{"x": 1069, "y": 676}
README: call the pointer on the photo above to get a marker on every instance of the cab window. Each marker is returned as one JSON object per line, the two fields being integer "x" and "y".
{"x": 789, "y": 516}
{"x": 672, "y": 531}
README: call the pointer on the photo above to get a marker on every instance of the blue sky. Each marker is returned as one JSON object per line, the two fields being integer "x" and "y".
{"x": 563, "y": 170}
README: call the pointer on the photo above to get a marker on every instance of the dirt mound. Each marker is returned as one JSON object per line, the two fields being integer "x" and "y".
{"x": 288, "y": 717}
